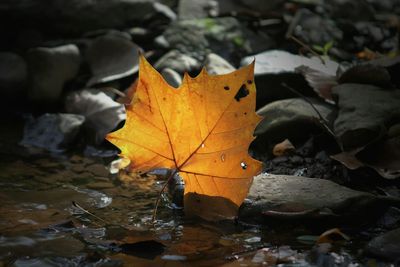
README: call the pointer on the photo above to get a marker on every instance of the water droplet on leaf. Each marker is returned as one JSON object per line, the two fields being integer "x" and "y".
{"x": 243, "y": 165}
{"x": 223, "y": 157}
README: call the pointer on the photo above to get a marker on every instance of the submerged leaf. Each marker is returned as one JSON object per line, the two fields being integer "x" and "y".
{"x": 202, "y": 129}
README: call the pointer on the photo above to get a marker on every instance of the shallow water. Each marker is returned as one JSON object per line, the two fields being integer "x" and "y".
{"x": 42, "y": 223}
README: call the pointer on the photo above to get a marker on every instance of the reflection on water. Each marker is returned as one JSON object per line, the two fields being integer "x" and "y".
{"x": 41, "y": 226}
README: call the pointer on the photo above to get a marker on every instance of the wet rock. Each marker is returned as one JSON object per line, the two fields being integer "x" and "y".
{"x": 101, "y": 112}
{"x": 283, "y": 119}
{"x": 13, "y": 74}
{"x": 285, "y": 196}
{"x": 112, "y": 56}
{"x": 178, "y": 62}
{"x": 97, "y": 170}
{"x": 215, "y": 64}
{"x": 363, "y": 112}
{"x": 386, "y": 246}
{"x": 49, "y": 69}
{"x": 223, "y": 36}
{"x": 77, "y": 16}
{"x": 275, "y": 67}
{"x": 313, "y": 29}
{"x": 53, "y": 132}
{"x": 172, "y": 77}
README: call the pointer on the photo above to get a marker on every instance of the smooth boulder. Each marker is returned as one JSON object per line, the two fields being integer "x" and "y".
{"x": 49, "y": 69}
{"x": 285, "y": 196}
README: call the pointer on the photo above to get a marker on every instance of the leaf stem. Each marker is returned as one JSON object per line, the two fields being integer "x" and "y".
{"x": 171, "y": 175}
{"x": 308, "y": 48}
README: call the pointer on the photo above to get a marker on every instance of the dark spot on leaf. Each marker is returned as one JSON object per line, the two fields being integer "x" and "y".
{"x": 245, "y": 113}
{"x": 164, "y": 98}
{"x": 226, "y": 88}
{"x": 243, "y": 92}
{"x": 249, "y": 81}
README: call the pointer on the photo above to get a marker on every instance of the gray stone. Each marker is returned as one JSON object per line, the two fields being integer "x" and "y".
{"x": 364, "y": 110}
{"x": 189, "y": 9}
{"x": 77, "y": 16}
{"x": 314, "y": 29}
{"x": 275, "y": 67}
{"x": 139, "y": 33}
{"x": 164, "y": 11}
{"x": 223, "y": 36}
{"x": 215, "y": 64}
{"x": 292, "y": 119}
{"x": 277, "y": 61}
{"x": 354, "y": 10}
{"x": 366, "y": 74}
{"x": 386, "y": 246}
{"x": 13, "y": 74}
{"x": 53, "y": 132}
{"x": 282, "y": 195}
{"x": 177, "y": 61}
{"x": 172, "y": 77}
{"x": 261, "y": 6}
{"x": 49, "y": 69}
{"x": 112, "y": 57}
{"x": 102, "y": 113}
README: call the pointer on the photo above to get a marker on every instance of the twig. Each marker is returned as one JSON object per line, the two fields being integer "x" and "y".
{"x": 113, "y": 90}
{"x": 161, "y": 191}
{"x": 322, "y": 120}
{"x": 307, "y": 47}
{"x": 127, "y": 227}
{"x": 88, "y": 212}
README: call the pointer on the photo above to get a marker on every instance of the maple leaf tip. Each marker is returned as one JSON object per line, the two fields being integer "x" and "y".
{"x": 186, "y": 77}
{"x": 252, "y": 65}
{"x": 203, "y": 71}
{"x": 142, "y": 60}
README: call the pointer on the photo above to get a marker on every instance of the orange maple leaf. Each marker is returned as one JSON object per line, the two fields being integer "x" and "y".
{"x": 203, "y": 130}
